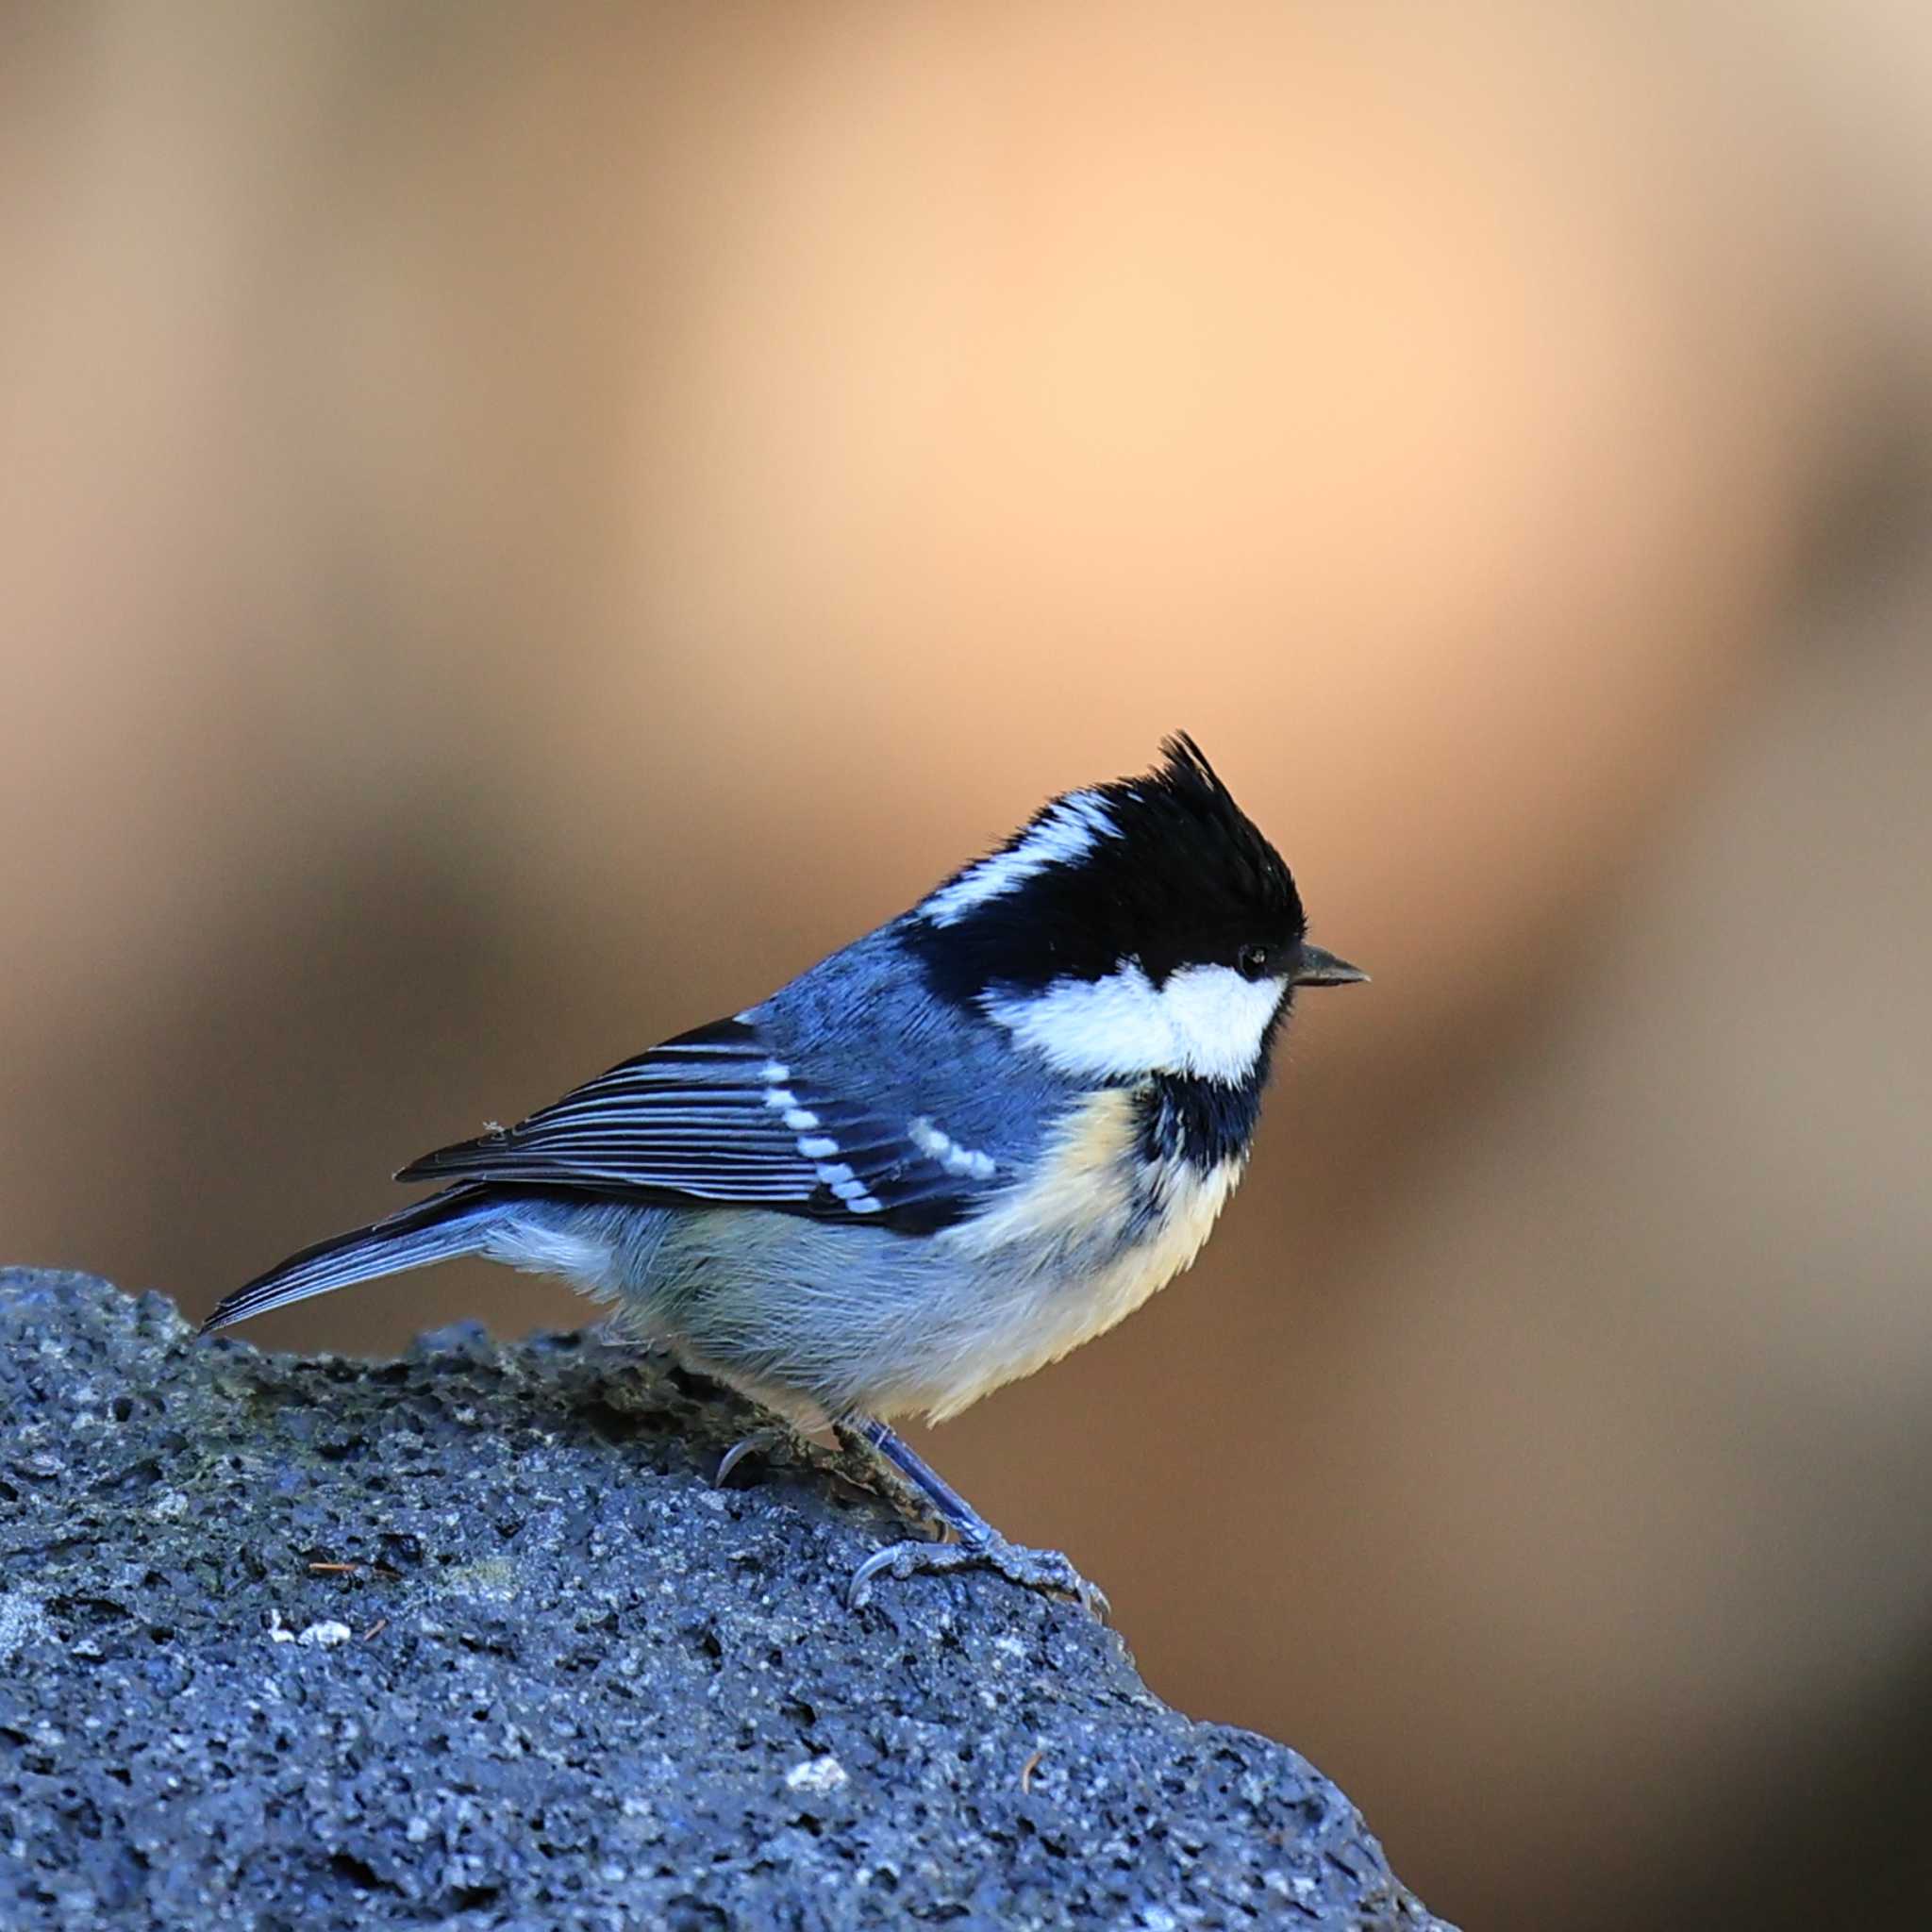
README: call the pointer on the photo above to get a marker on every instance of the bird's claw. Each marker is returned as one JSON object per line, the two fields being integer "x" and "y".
{"x": 764, "y": 1443}
{"x": 1047, "y": 1569}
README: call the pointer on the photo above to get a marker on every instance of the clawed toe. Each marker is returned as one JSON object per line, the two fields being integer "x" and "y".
{"x": 980, "y": 1545}
{"x": 764, "y": 1443}
{"x": 1047, "y": 1569}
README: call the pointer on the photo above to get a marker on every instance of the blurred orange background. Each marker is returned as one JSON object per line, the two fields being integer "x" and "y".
{"x": 523, "y": 527}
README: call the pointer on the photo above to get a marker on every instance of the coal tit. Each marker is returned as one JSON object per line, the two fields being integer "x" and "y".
{"x": 936, "y": 1161}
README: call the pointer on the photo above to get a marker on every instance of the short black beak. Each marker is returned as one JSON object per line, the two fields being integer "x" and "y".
{"x": 1317, "y": 968}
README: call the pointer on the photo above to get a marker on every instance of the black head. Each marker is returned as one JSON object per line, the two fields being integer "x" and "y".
{"x": 1164, "y": 871}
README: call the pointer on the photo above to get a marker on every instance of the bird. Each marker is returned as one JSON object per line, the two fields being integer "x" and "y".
{"x": 932, "y": 1163}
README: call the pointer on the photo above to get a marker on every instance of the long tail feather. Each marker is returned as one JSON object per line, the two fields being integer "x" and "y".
{"x": 447, "y": 1224}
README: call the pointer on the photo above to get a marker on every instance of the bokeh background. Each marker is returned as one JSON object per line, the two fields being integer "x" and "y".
{"x": 520, "y": 526}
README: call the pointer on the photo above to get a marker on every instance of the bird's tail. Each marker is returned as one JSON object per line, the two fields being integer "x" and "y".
{"x": 457, "y": 1222}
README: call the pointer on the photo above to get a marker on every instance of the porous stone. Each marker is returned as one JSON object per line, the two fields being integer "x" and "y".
{"x": 469, "y": 1640}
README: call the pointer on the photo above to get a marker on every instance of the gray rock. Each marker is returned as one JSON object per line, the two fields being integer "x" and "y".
{"x": 469, "y": 1640}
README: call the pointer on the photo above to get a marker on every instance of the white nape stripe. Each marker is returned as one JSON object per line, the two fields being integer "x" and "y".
{"x": 1205, "y": 1021}
{"x": 1066, "y": 830}
{"x": 940, "y": 1147}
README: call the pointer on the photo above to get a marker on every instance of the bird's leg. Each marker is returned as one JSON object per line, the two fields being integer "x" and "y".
{"x": 878, "y": 1458}
{"x": 980, "y": 1544}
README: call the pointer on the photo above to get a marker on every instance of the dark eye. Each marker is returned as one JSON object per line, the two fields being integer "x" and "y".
{"x": 1252, "y": 963}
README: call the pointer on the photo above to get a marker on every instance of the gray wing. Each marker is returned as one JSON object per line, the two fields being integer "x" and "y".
{"x": 712, "y": 1116}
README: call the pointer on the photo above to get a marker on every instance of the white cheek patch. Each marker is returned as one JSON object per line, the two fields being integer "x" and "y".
{"x": 1110, "y": 1027}
{"x": 1205, "y": 1021}
{"x": 1220, "y": 1019}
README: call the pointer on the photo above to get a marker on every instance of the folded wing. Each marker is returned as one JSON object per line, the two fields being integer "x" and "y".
{"x": 713, "y": 1116}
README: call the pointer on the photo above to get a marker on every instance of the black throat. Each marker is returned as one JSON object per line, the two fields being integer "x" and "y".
{"x": 1201, "y": 1122}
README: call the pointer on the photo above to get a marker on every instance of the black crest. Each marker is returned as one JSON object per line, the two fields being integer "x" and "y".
{"x": 1165, "y": 869}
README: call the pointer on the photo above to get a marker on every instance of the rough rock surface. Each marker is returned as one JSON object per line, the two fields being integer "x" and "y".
{"x": 468, "y": 1639}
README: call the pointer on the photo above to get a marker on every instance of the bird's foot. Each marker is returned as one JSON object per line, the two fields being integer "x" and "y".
{"x": 1047, "y": 1569}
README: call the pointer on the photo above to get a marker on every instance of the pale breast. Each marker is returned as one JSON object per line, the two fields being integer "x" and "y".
{"x": 1055, "y": 1263}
